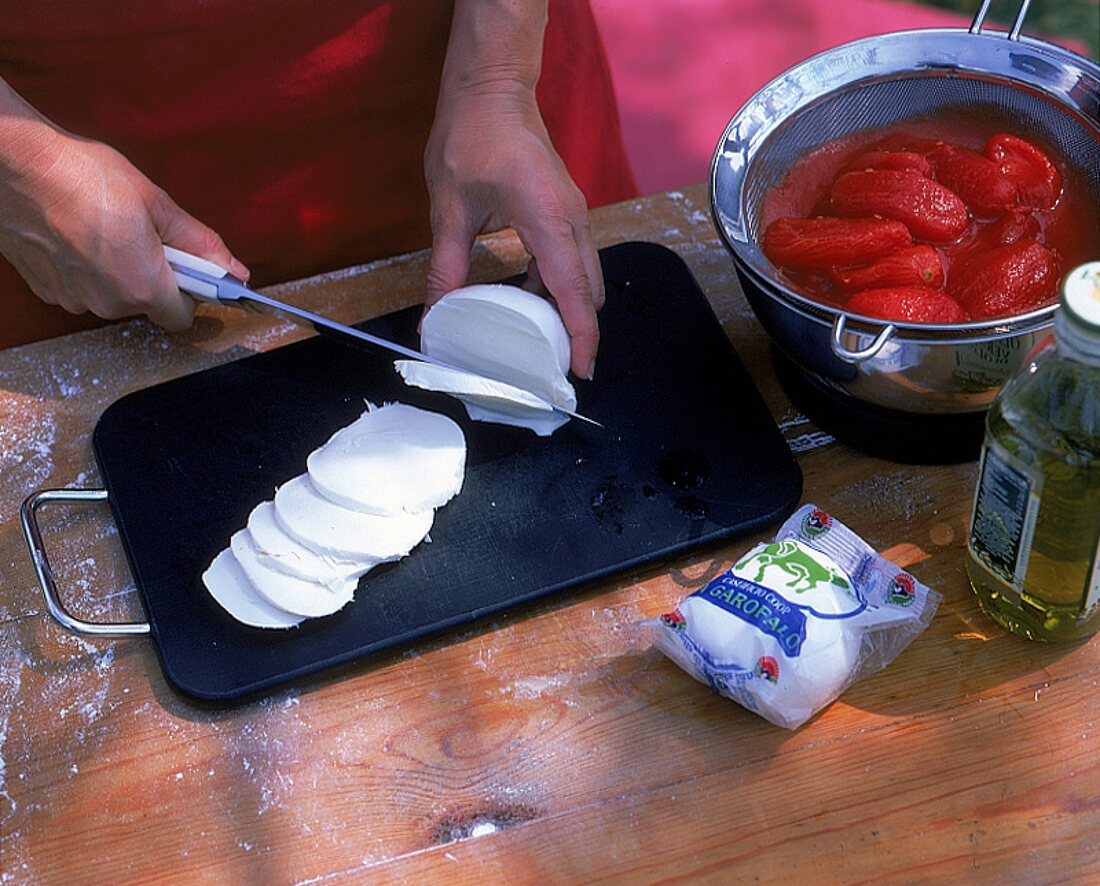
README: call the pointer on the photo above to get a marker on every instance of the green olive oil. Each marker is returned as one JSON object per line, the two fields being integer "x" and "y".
{"x": 1033, "y": 553}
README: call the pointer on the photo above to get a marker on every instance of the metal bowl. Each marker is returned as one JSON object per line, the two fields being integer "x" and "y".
{"x": 1017, "y": 83}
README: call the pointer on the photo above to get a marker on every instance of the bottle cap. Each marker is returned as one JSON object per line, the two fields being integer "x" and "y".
{"x": 1077, "y": 323}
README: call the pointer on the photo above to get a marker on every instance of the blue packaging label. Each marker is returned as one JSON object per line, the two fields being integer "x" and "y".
{"x": 761, "y": 607}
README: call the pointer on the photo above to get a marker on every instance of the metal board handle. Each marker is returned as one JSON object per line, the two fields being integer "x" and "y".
{"x": 28, "y": 513}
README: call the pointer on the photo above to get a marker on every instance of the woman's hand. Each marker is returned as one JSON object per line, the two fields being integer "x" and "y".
{"x": 84, "y": 227}
{"x": 489, "y": 164}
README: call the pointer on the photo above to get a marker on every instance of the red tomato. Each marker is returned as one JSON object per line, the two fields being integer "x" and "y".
{"x": 918, "y": 265}
{"x": 983, "y": 186}
{"x": 930, "y": 211}
{"x": 902, "y": 161}
{"x": 912, "y": 304}
{"x": 1037, "y": 179}
{"x": 1009, "y": 279}
{"x": 817, "y": 243}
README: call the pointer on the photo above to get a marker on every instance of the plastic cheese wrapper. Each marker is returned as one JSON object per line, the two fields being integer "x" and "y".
{"x": 796, "y": 620}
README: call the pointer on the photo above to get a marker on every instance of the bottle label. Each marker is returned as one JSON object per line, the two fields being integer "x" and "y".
{"x": 1006, "y": 507}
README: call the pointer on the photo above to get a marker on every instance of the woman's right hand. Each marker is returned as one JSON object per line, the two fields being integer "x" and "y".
{"x": 85, "y": 228}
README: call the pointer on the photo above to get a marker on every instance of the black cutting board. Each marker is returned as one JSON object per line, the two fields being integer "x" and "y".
{"x": 689, "y": 457}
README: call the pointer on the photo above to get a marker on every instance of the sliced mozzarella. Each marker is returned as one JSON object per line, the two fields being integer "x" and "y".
{"x": 277, "y": 550}
{"x": 333, "y": 530}
{"x": 377, "y": 485}
{"x": 485, "y": 399}
{"x": 505, "y": 333}
{"x": 298, "y": 596}
{"x": 227, "y": 584}
{"x": 392, "y": 459}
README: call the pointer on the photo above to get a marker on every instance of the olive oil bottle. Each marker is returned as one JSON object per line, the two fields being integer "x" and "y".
{"x": 1033, "y": 553}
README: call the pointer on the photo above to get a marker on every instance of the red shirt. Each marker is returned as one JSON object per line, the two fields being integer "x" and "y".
{"x": 295, "y": 131}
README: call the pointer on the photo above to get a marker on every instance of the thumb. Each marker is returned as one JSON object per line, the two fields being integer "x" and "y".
{"x": 183, "y": 231}
{"x": 169, "y": 307}
{"x": 449, "y": 263}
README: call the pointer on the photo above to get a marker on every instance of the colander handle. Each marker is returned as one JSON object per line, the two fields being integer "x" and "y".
{"x": 850, "y": 356}
{"x": 1014, "y": 33}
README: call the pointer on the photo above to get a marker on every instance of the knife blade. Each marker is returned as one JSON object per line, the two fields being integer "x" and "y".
{"x": 206, "y": 281}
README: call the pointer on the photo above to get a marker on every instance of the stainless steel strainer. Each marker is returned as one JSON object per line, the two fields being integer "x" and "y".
{"x": 1008, "y": 81}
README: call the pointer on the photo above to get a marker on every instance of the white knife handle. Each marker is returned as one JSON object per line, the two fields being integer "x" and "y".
{"x": 198, "y": 288}
{"x": 187, "y": 260}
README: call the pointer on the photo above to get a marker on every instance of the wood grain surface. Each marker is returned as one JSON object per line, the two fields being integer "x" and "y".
{"x": 549, "y": 746}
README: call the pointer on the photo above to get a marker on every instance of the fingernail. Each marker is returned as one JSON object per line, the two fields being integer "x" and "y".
{"x": 591, "y": 370}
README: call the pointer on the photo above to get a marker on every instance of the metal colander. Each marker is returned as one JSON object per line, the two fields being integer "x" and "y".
{"x": 887, "y": 102}
{"x": 1007, "y": 81}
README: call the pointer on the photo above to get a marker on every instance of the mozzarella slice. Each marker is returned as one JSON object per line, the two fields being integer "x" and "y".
{"x": 332, "y": 530}
{"x": 298, "y": 596}
{"x": 227, "y": 584}
{"x": 394, "y": 458}
{"x": 507, "y": 334}
{"x": 485, "y": 399}
{"x": 277, "y": 550}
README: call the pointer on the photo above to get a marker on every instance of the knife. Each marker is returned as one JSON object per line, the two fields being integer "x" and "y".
{"x": 205, "y": 281}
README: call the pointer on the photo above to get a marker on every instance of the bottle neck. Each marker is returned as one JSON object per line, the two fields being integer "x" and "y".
{"x": 1075, "y": 342}
{"x": 1077, "y": 322}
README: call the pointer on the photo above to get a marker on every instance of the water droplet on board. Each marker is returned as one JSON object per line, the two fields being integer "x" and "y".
{"x": 684, "y": 469}
{"x": 610, "y": 503}
{"x": 692, "y": 507}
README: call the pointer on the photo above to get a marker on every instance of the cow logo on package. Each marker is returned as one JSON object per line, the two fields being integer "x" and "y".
{"x": 795, "y": 562}
{"x": 816, "y": 523}
{"x": 902, "y": 590}
{"x": 767, "y": 668}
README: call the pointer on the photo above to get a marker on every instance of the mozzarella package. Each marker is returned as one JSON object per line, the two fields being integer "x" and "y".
{"x": 796, "y": 620}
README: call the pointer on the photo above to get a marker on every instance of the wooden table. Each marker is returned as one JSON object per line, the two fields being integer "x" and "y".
{"x": 551, "y": 745}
